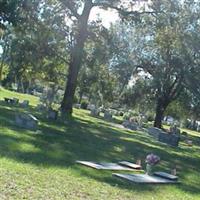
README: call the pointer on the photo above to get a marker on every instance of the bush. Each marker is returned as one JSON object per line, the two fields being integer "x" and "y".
{"x": 129, "y": 114}
{"x": 126, "y": 116}
{"x": 84, "y": 104}
{"x": 184, "y": 133}
{"x": 75, "y": 99}
{"x": 121, "y": 113}
{"x": 150, "y": 117}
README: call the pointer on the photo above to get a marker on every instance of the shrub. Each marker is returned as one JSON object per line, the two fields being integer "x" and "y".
{"x": 150, "y": 117}
{"x": 84, "y": 104}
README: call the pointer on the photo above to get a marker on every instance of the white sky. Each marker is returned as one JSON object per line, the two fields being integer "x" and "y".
{"x": 110, "y": 15}
{"x": 107, "y": 16}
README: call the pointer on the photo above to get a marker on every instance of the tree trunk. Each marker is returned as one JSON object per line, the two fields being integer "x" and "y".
{"x": 160, "y": 109}
{"x": 1, "y": 73}
{"x": 80, "y": 97}
{"x": 76, "y": 60}
{"x": 67, "y": 102}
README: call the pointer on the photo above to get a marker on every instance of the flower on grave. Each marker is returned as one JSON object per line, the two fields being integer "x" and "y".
{"x": 152, "y": 159}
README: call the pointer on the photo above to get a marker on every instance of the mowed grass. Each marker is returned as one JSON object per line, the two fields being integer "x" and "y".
{"x": 41, "y": 165}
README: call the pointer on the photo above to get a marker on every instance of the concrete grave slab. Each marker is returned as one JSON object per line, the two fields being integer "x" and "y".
{"x": 166, "y": 175}
{"x": 129, "y": 164}
{"x": 105, "y": 166}
{"x": 144, "y": 179}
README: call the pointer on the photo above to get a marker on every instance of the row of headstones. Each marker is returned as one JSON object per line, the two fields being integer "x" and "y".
{"x": 134, "y": 123}
{"x": 50, "y": 113}
{"x": 171, "y": 138}
{"x": 30, "y": 122}
{"x": 96, "y": 112}
{"x": 101, "y": 109}
{"x": 15, "y": 101}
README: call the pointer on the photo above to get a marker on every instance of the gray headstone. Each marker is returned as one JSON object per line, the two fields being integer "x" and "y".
{"x": 95, "y": 112}
{"x": 130, "y": 125}
{"x": 91, "y": 107}
{"x": 77, "y": 105}
{"x": 26, "y": 121}
{"x": 52, "y": 114}
{"x": 15, "y": 100}
{"x": 107, "y": 115}
{"x": 170, "y": 139}
{"x": 41, "y": 107}
{"x": 25, "y": 103}
{"x": 155, "y": 132}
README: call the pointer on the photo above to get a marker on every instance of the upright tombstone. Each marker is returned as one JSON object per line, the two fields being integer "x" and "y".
{"x": 77, "y": 105}
{"x": 174, "y": 129}
{"x": 52, "y": 114}
{"x": 95, "y": 112}
{"x": 25, "y": 104}
{"x": 15, "y": 101}
{"x": 26, "y": 121}
{"x": 155, "y": 132}
{"x": 170, "y": 139}
{"x": 9, "y": 100}
{"x": 107, "y": 115}
{"x": 41, "y": 108}
{"x": 130, "y": 125}
{"x": 91, "y": 107}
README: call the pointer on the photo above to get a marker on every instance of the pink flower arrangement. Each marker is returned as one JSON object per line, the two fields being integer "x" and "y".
{"x": 152, "y": 159}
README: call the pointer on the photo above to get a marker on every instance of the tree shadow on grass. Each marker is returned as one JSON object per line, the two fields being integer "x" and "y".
{"x": 60, "y": 144}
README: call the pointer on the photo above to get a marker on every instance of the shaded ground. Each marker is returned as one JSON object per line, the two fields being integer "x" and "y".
{"x": 46, "y": 159}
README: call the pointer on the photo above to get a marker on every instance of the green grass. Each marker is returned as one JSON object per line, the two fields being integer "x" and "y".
{"x": 42, "y": 165}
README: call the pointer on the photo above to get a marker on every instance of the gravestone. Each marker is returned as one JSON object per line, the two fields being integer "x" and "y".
{"x": 77, "y": 105}
{"x": 41, "y": 107}
{"x": 170, "y": 139}
{"x": 52, "y": 114}
{"x": 95, "y": 112}
{"x": 26, "y": 121}
{"x": 162, "y": 136}
{"x": 91, "y": 107}
{"x": 155, "y": 132}
{"x": 107, "y": 115}
{"x": 174, "y": 130}
{"x": 25, "y": 103}
{"x": 130, "y": 125}
{"x": 9, "y": 100}
{"x": 15, "y": 101}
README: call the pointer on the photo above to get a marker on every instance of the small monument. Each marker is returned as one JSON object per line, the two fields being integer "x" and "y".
{"x": 95, "y": 112}
{"x": 77, "y": 105}
{"x": 26, "y": 121}
{"x": 107, "y": 115}
{"x": 25, "y": 103}
{"x": 41, "y": 107}
{"x": 52, "y": 114}
{"x": 15, "y": 101}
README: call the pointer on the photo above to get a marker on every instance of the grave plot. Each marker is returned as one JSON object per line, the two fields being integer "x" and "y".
{"x": 146, "y": 179}
{"x": 106, "y": 166}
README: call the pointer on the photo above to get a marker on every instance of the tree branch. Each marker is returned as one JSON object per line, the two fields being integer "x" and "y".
{"x": 121, "y": 10}
{"x": 69, "y": 5}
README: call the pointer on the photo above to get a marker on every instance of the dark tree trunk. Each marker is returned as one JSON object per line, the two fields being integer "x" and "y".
{"x": 160, "y": 109}
{"x": 1, "y": 72}
{"x": 76, "y": 60}
{"x": 80, "y": 97}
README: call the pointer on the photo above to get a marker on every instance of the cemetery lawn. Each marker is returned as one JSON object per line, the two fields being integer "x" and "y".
{"x": 42, "y": 165}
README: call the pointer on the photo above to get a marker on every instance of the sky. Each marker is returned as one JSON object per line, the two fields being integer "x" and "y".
{"x": 107, "y": 16}
{"x": 110, "y": 15}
